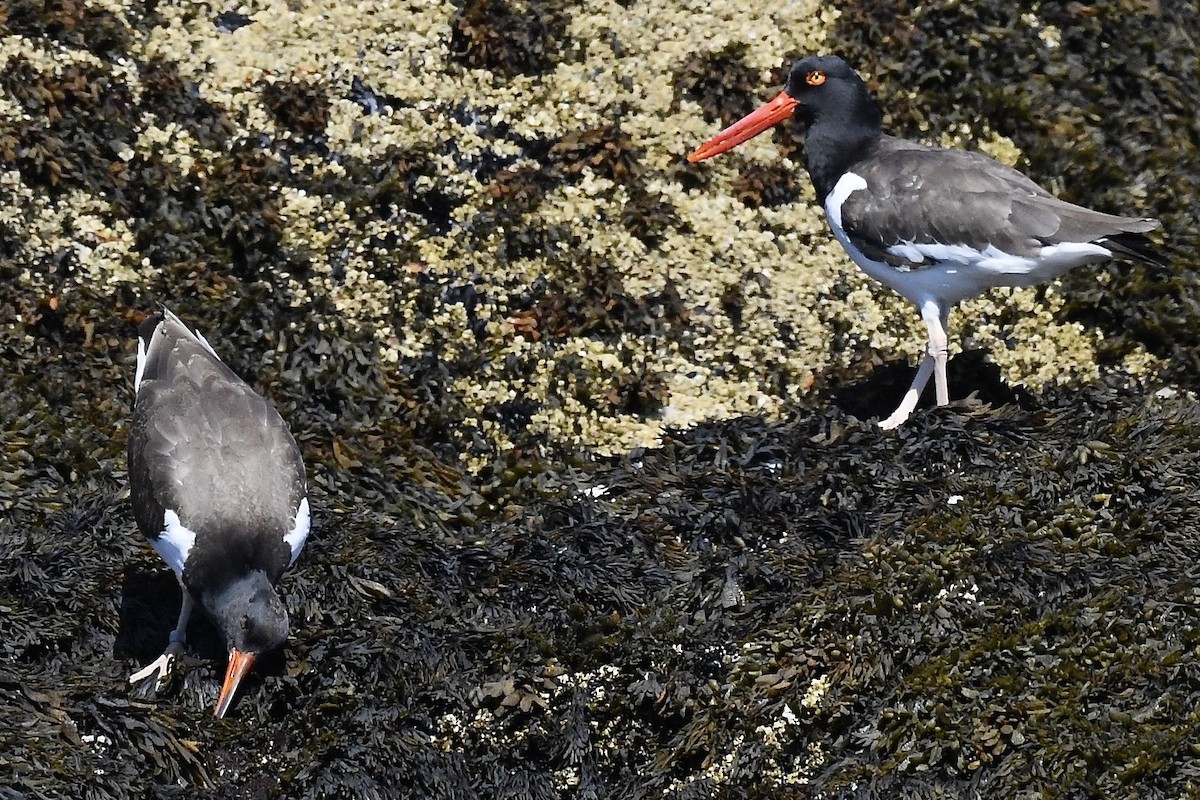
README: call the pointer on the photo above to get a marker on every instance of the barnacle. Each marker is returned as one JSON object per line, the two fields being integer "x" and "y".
{"x": 596, "y": 513}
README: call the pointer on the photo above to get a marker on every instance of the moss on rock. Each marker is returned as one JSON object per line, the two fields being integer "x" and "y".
{"x": 592, "y": 517}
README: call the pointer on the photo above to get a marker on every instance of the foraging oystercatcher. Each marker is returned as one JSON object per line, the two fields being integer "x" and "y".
{"x": 936, "y": 225}
{"x": 218, "y": 487}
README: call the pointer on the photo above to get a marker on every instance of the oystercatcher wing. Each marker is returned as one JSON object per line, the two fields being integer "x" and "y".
{"x": 218, "y": 487}
{"x": 213, "y": 456}
{"x": 905, "y": 207}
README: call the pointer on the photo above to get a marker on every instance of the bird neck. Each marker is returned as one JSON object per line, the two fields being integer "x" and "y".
{"x": 839, "y": 139}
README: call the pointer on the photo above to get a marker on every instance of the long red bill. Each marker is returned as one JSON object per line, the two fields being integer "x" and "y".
{"x": 239, "y": 665}
{"x": 747, "y": 127}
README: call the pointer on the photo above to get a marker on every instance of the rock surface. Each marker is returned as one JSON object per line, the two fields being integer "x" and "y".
{"x": 599, "y": 512}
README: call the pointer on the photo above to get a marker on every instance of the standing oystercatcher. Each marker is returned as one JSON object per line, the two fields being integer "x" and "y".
{"x": 936, "y": 225}
{"x": 218, "y": 488}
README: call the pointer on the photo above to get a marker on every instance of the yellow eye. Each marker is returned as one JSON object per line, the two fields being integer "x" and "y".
{"x": 815, "y": 78}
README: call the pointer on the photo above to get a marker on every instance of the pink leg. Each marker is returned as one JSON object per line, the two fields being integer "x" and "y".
{"x": 911, "y": 396}
{"x": 161, "y": 666}
{"x": 936, "y": 317}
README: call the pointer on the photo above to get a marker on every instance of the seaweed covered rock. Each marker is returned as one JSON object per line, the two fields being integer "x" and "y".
{"x": 592, "y": 515}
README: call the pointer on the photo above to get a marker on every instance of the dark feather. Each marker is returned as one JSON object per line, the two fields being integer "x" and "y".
{"x": 206, "y": 446}
{"x": 924, "y": 195}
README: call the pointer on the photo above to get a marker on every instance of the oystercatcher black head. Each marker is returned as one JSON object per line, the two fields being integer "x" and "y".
{"x": 218, "y": 487}
{"x": 936, "y": 225}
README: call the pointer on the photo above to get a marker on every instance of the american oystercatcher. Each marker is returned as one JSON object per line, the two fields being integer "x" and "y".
{"x": 936, "y": 225}
{"x": 218, "y": 487}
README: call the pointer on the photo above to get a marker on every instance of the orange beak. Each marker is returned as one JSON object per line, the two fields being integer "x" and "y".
{"x": 239, "y": 665}
{"x": 747, "y": 127}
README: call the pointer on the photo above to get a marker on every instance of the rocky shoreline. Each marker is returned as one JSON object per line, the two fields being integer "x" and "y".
{"x": 599, "y": 508}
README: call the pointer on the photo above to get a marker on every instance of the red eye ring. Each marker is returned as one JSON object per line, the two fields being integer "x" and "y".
{"x": 815, "y": 78}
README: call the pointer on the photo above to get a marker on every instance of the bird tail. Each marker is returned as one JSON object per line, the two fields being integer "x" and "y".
{"x": 1135, "y": 247}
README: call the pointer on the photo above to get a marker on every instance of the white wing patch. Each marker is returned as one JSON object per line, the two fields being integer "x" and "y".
{"x": 200, "y": 338}
{"x": 1066, "y": 255}
{"x": 847, "y": 185}
{"x": 175, "y": 542}
{"x": 141, "y": 365}
{"x": 299, "y": 532}
{"x": 991, "y": 258}
{"x": 1051, "y": 260}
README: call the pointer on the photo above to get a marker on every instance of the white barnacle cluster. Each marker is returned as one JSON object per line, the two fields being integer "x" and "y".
{"x": 377, "y": 257}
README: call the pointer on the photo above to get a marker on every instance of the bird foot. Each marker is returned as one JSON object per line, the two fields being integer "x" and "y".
{"x": 161, "y": 665}
{"x": 898, "y": 417}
